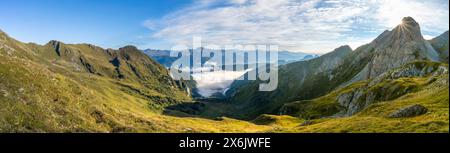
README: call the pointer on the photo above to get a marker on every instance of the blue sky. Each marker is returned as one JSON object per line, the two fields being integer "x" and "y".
{"x": 299, "y": 25}
{"x": 108, "y": 23}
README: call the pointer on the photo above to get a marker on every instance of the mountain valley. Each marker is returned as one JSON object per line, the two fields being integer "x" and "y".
{"x": 396, "y": 83}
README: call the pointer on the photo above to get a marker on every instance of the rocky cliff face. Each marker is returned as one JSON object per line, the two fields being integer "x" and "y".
{"x": 391, "y": 49}
{"x": 333, "y": 59}
{"x": 398, "y": 62}
{"x": 440, "y": 44}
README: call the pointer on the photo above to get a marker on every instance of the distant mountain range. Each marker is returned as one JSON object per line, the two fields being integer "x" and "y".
{"x": 217, "y": 89}
{"x": 284, "y": 57}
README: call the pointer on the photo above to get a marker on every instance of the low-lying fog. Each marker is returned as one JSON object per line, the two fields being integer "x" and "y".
{"x": 209, "y": 83}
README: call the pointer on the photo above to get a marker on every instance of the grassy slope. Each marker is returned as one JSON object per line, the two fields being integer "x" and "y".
{"x": 374, "y": 118}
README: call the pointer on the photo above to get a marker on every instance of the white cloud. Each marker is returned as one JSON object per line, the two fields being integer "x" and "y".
{"x": 432, "y": 15}
{"x": 428, "y": 37}
{"x": 239, "y": 1}
{"x": 152, "y": 24}
{"x": 309, "y": 26}
{"x": 209, "y": 83}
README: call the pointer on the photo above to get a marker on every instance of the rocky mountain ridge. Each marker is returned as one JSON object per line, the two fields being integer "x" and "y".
{"x": 391, "y": 49}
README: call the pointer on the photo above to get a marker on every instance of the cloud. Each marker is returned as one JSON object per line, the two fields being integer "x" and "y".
{"x": 209, "y": 83}
{"x": 428, "y": 37}
{"x": 309, "y": 26}
{"x": 152, "y": 24}
{"x": 432, "y": 15}
{"x": 239, "y": 1}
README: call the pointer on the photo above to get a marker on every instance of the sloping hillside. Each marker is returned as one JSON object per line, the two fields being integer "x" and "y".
{"x": 413, "y": 98}
{"x": 356, "y": 97}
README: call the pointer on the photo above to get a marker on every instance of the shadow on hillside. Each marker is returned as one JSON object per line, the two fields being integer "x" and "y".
{"x": 185, "y": 109}
{"x": 196, "y": 109}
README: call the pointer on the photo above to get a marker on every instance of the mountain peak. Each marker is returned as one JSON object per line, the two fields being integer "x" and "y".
{"x": 129, "y": 51}
{"x": 129, "y": 47}
{"x": 390, "y": 49}
{"x": 408, "y": 30}
{"x": 445, "y": 34}
{"x": 408, "y": 25}
{"x": 409, "y": 21}
{"x": 344, "y": 47}
{"x": 54, "y": 42}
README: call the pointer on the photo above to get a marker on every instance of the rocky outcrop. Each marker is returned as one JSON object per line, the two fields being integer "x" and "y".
{"x": 56, "y": 46}
{"x": 414, "y": 69}
{"x": 387, "y": 87}
{"x": 353, "y": 101}
{"x": 410, "y": 111}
